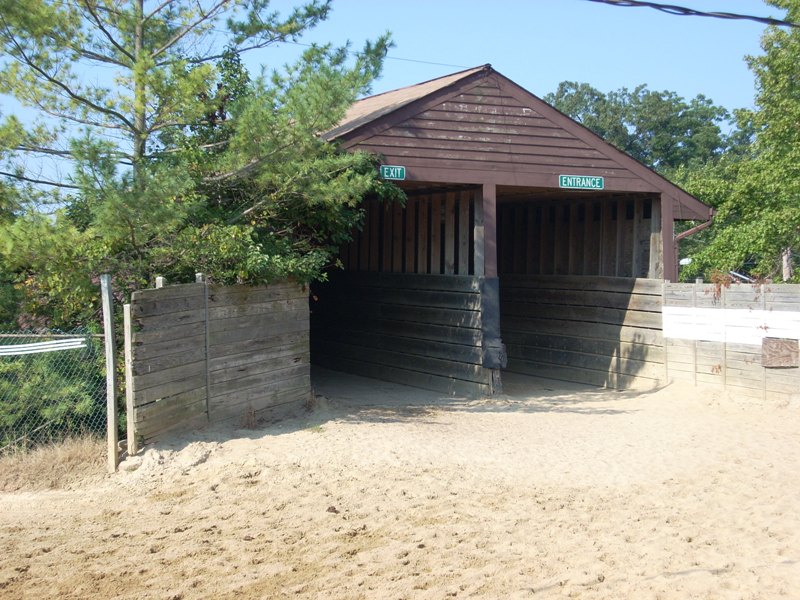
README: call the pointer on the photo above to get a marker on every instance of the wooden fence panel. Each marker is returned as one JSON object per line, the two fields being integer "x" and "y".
{"x": 204, "y": 353}
{"x": 419, "y": 330}
{"x": 716, "y": 335}
{"x": 595, "y": 330}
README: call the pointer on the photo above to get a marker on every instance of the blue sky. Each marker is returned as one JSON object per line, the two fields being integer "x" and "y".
{"x": 539, "y": 43}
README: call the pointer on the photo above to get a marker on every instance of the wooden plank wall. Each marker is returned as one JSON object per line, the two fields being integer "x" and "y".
{"x": 714, "y": 335}
{"x": 419, "y": 330}
{"x": 597, "y": 236}
{"x": 432, "y": 234}
{"x": 212, "y": 353}
{"x": 596, "y": 330}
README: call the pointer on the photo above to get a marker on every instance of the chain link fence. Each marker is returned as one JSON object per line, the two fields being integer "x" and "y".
{"x": 52, "y": 386}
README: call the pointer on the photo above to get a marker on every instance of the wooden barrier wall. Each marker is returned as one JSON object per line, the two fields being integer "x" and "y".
{"x": 205, "y": 353}
{"x": 419, "y": 330}
{"x": 743, "y": 337}
{"x": 432, "y": 234}
{"x": 596, "y": 330}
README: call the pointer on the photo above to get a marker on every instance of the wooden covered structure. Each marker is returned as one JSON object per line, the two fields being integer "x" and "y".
{"x": 496, "y": 244}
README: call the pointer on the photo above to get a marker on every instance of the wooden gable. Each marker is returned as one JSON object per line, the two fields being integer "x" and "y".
{"x": 483, "y": 128}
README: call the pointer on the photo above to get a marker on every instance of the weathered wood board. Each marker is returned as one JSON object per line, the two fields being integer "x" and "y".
{"x": 206, "y": 353}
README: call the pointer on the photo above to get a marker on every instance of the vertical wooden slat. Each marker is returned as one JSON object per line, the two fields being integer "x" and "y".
{"x": 669, "y": 260}
{"x": 519, "y": 248}
{"x": 656, "y": 267}
{"x": 363, "y": 240}
{"x": 423, "y": 207}
{"x": 530, "y": 240}
{"x": 374, "y": 236}
{"x": 544, "y": 230}
{"x": 436, "y": 234}
{"x": 574, "y": 240}
{"x": 589, "y": 245}
{"x": 386, "y": 260}
{"x": 450, "y": 233}
{"x": 609, "y": 247}
{"x": 477, "y": 234}
{"x": 352, "y": 251}
{"x": 561, "y": 241}
{"x": 397, "y": 238}
{"x": 463, "y": 232}
{"x": 619, "y": 250}
{"x": 410, "y": 260}
{"x": 636, "y": 245}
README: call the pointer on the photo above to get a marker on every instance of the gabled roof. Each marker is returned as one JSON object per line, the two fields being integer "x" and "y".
{"x": 369, "y": 109}
{"x": 482, "y": 114}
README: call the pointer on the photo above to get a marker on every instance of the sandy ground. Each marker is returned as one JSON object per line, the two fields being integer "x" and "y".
{"x": 387, "y": 492}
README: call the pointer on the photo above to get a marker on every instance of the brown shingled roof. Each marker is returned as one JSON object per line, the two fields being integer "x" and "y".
{"x": 368, "y": 109}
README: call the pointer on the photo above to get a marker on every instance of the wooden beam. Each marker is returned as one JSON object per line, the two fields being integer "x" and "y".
{"x": 656, "y": 268}
{"x": 490, "y": 229}
{"x": 530, "y": 241}
{"x": 450, "y": 233}
{"x": 619, "y": 250}
{"x": 637, "y": 258}
{"x": 670, "y": 264}
{"x": 478, "y": 234}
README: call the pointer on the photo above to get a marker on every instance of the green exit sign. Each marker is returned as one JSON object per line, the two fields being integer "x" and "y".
{"x": 393, "y": 172}
{"x": 581, "y": 182}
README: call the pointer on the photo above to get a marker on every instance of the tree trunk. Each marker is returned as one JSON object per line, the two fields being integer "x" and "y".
{"x": 140, "y": 98}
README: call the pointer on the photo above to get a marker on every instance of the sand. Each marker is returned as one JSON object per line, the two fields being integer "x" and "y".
{"x": 388, "y": 492}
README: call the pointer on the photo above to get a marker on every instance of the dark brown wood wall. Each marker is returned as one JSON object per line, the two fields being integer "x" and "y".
{"x": 487, "y": 128}
{"x": 597, "y": 236}
{"x": 432, "y": 234}
{"x": 419, "y": 330}
{"x": 596, "y": 330}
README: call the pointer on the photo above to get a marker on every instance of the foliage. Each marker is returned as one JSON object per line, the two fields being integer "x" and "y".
{"x": 758, "y": 194}
{"x": 47, "y": 396}
{"x": 177, "y": 159}
{"x": 660, "y": 129}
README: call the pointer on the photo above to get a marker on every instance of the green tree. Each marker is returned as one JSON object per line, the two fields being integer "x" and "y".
{"x": 176, "y": 160}
{"x": 660, "y": 129}
{"x": 758, "y": 197}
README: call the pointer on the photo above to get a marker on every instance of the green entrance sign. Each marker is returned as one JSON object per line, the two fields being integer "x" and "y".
{"x": 581, "y": 182}
{"x": 393, "y": 172}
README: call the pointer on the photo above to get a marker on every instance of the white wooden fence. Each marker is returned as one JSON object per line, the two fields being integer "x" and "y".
{"x": 744, "y": 337}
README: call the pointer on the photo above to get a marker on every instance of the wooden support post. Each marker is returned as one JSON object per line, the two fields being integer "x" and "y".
{"x": 668, "y": 240}
{"x": 490, "y": 229}
{"x": 478, "y": 235}
{"x": 111, "y": 372}
{"x": 530, "y": 240}
{"x": 656, "y": 267}
{"x": 129, "y": 412}
{"x": 574, "y": 238}
{"x": 589, "y": 247}
{"x": 436, "y": 235}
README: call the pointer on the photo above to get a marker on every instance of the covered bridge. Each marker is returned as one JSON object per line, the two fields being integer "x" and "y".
{"x": 527, "y": 243}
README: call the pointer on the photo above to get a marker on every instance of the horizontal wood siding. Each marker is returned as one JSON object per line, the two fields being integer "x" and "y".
{"x": 200, "y": 358}
{"x": 704, "y": 345}
{"x": 416, "y": 329}
{"x": 596, "y": 330}
{"x": 486, "y": 128}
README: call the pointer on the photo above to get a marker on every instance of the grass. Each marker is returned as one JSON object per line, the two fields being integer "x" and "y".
{"x": 55, "y": 466}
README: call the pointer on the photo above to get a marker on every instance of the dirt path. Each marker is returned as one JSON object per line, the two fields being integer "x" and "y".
{"x": 386, "y": 492}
